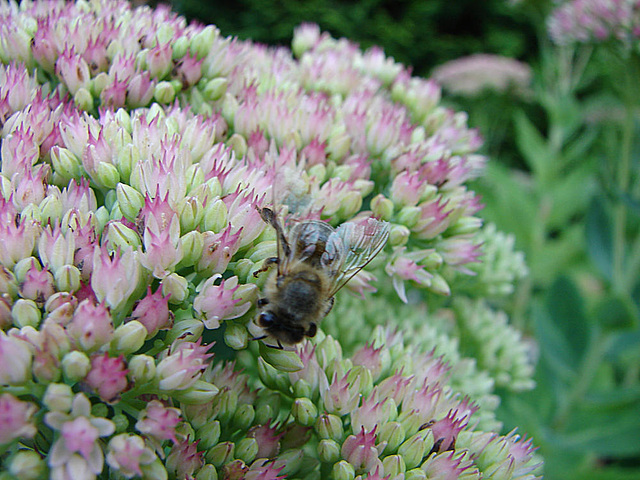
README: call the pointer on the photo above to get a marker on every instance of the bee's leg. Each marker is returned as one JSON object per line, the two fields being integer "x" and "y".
{"x": 260, "y": 338}
{"x": 269, "y": 216}
{"x": 330, "y": 303}
{"x": 265, "y": 266}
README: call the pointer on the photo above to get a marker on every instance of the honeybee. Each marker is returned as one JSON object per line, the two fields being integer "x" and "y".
{"x": 312, "y": 265}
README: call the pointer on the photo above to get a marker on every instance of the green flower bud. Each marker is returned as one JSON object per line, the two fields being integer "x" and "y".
{"x": 215, "y": 216}
{"x": 243, "y": 269}
{"x": 244, "y": 416}
{"x": 67, "y": 278}
{"x": 128, "y": 337}
{"x": 27, "y": 465}
{"x": 121, "y": 422}
{"x": 190, "y": 328}
{"x": 329, "y": 426}
{"x": 209, "y": 435}
{"x": 215, "y": 89}
{"x": 83, "y": 99}
{"x": 414, "y": 449}
{"x": 350, "y": 204}
{"x": 399, "y": 235}
{"x": 208, "y": 472}
{"x": 115, "y": 213}
{"x": 236, "y": 335}
{"x": 439, "y": 285}
{"x": 176, "y": 286}
{"x": 338, "y": 144}
{"x": 291, "y": 460}
{"x": 107, "y": 175}
{"x": 305, "y": 412}
{"x": 465, "y": 226}
{"x": 21, "y": 268}
{"x": 302, "y": 388}
{"x": 271, "y": 377}
{"x": 415, "y": 474}
{"x": 50, "y": 209}
{"x": 343, "y": 470}
{"x": 199, "y": 393}
{"x": 202, "y": 42}
{"x": 102, "y": 216}
{"x": 25, "y": 313}
{"x": 127, "y": 157}
{"x": 99, "y": 410}
{"x": 191, "y": 213}
{"x": 409, "y": 216}
{"x": 238, "y": 144}
{"x": 226, "y": 406}
{"x": 343, "y": 172}
{"x": 329, "y": 349}
{"x": 247, "y": 449}
{"x": 192, "y": 244}
{"x": 393, "y": 434}
{"x": 120, "y": 235}
{"x": 75, "y": 366}
{"x": 283, "y": 360}
{"x": 130, "y": 200}
{"x": 393, "y": 465}
{"x": 164, "y": 93}
{"x": 58, "y": 397}
{"x": 229, "y": 107}
{"x": 366, "y": 380}
{"x": 328, "y": 451}
{"x": 382, "y": 207}
{"x": 154, "y": 470}
{"x": 142, "y": 368}
{"x": 221, "y": 453}
{"x": 319, "y": 171}
{"x": 195, "y": 179}
{"x": 101, "y": 80}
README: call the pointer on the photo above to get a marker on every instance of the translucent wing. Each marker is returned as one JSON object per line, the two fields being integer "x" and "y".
{"x": 361, "y": 242}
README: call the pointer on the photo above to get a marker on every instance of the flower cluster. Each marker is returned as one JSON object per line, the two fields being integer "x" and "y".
{"x": 586, "y": 21}
{"x": 474, "y": 74}
{"x": 136, "y": 150}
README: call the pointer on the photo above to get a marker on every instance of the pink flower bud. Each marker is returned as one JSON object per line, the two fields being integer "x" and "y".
{"x": 15, "y": 419}
{"x": 183, "y": 366}
{"x": 91, "y": 326}
{"x": 162, "y": 246}
{"x": 153, "y": 312}
{"x": 159, "y": 422}
{"x": 127, "y": 453}
{"x": 15, "y": 360}
{"x": 115, "y": 276}
{"x": 37, "y": 284}
{"x": 225, "y": 301}
{"x": 360, "y": 450}
{"x": 184, "y": 459}
{"x": 108, "y": 376}
{"x": 73, "y": 70}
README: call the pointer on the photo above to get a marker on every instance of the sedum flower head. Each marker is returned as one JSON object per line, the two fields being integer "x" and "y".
{"x": 136, "y": 151}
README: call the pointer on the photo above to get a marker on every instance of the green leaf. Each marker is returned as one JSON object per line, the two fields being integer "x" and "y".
{"x": 554, "y": 347}
{"x": 614, "y": 312}
{"x": 600, "y": 237}
{"x": 532, "y": 145}
{"x": 565, "y": 306}
{"x": 624, "y": 347}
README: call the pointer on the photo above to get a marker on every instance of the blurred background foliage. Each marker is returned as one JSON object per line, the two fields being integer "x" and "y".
{"x": 563, "y": 178}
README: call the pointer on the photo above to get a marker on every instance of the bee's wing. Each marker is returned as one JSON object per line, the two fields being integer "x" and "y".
{"x": 361, "y": 242}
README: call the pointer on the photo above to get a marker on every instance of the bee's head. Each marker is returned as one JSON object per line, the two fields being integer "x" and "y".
{"x": 285, "y": 333}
